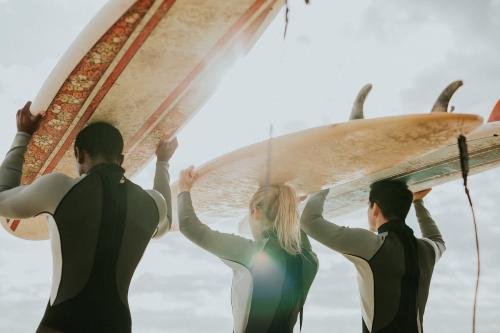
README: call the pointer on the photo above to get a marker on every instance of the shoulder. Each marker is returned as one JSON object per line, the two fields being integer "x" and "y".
{"x": 159, "y": 201}
{"x": 429, "y": 247}
{"x": 56, "y": 181}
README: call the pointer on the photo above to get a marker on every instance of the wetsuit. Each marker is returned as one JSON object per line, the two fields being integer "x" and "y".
{"x": 269, "y": 284}
{"x": 99, "y": 227}
{"x": 394, "y": 267}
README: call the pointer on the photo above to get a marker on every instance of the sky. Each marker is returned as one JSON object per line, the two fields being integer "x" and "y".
{"x": 409, "y": 50}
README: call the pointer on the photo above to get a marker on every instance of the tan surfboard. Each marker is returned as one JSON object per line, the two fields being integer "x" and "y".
{"x": 424, "y": 172}
{"x": 322, "y": 157}
{"x": 147, "y": 66}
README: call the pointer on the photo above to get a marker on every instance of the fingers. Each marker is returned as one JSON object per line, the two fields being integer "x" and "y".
{"x": 421, "y": 194}
{"x": 189, "y": 174}
{"x": 37, "y": 117}
{"x": 26, "y": 107}
{"x": 174, "y": 142}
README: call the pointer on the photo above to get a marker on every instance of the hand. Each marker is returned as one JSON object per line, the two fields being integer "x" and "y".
{"x": 186, "y": 179}
{"x": 166, "y": 150}
{"x": 421, "y": 194}
{"x": 26, "y": 122}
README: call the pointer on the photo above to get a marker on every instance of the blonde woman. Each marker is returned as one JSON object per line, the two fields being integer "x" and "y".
{"x": 272, "y": 274}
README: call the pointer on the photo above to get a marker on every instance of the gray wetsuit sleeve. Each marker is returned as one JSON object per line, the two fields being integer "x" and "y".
{"x": 225, "y": 246}
{"x": 163, "y": 201}
{"x": 25, "y": 201}
{"x": 351, "y": 241}
{"x": 11, "y": 168}
{"x": 429, "y": 229}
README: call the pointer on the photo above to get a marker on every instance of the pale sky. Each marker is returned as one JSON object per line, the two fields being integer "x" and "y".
{"x": 410, "y": 50}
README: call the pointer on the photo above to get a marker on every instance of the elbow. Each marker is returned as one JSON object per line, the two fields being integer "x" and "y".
{"x": 307, "y": 225}
{"x": 183, "y": 224}
{"x": 442, "y": 247}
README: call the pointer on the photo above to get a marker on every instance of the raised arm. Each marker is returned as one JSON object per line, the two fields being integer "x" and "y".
{"x": 43, "y": 195}
{"x": 225, "y": 246}
{"x": 429, "y": 228}
{"x": 351, "y": 241}
{"x": 164, "y": 153}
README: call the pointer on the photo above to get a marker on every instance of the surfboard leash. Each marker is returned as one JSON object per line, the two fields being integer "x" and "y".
{"x": 464, "y": 165}
{"x": 267, "y": 182}
{"x": 269, "y": 156}
{"x": 287, "y": 11}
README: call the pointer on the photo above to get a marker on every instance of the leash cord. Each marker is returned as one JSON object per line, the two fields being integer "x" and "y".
{"x": 464, "y": 164}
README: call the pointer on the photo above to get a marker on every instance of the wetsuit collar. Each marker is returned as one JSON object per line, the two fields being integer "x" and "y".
{"x": 269, "y": 233}
{"x": 110, "y": 167}
{"x": 392, "y": 225}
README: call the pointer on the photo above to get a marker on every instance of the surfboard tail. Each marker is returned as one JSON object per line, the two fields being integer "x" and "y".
{"x": 495, "y": 114}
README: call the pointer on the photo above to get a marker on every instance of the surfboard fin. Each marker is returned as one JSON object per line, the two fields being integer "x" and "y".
{"x": 443, "y": 100}
{"x": 357, "y": 107}
{"x": 495, "y": 114}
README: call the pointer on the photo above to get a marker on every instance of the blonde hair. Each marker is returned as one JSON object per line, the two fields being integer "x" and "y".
{"x": 278, "y": 204}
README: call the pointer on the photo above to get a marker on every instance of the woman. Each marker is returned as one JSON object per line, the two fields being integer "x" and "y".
{"x": 273, "y": 273}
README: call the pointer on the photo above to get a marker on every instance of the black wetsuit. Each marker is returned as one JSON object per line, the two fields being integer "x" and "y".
{"x": 394, "y": 267}
{"x": 99, "y": 225}
{"x": 270, "y": 285}
{"x": 98, "y": 306}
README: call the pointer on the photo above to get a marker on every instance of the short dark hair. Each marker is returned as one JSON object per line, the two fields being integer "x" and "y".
{"x": 100, "y": 139}
{"x": 393, "y": 197}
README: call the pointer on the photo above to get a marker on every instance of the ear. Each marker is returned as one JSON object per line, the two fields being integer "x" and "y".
{"x": 256, "y": 213}
{"x": 376, "y": 210}
{"x": 79, "y": 155}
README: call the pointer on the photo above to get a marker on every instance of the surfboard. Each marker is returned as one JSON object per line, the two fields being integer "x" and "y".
{"x": 430, "y": 170}
{"x": 427, "y": 171}
{"x": 146, "y": 66}
{"x": 321, "y": 157}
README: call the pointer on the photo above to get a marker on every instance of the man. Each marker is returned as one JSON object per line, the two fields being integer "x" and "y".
{"x": 394, "y": 268}
{"x": 99, "y": 225}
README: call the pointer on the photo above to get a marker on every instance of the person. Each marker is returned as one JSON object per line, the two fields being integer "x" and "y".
{"x": 394, "y": 267}
{"x": 272, "y": 274}
{"x": 99, "y": 225}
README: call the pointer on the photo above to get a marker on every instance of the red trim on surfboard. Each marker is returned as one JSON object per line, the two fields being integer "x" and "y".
{"x": 122, "y": 64}
{"x": 148, "y": 125}
{"x": 14, "y": 225}
{"x": 250, "y": 32}
{"x": 495, "y": 114}
{"x": 174, "y": 120}
{"x": 163, "y": 9}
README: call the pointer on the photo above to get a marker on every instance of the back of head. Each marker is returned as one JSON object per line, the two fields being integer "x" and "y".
{"x": 393, "y": 198}
{"x": 100, "y": 140}
{"x": 278, "y": 204}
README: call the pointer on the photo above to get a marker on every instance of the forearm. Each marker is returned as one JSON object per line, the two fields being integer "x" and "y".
{"x": 312, "y": 221}
{"x": 162, "y": 185}
{"x": 12, "y": 166}
{"x": 352, "y": 241}
{"x": 428, "y": 226}
{"x": 223, "y": 245}
{"x": 189, "y": 224}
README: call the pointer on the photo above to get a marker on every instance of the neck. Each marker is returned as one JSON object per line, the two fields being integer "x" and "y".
{"x": 96, "y": 162}
{"x": 380, "y": 222}
{"x": 389, "y": 224}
